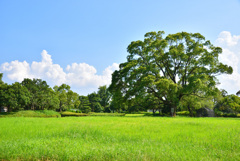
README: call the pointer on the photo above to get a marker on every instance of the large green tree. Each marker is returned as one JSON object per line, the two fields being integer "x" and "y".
{"x": 19, "y": 96}
{"x": 181, "y": 64}
{"x": 13, "y": 96}
{"x": 39, "y": 93}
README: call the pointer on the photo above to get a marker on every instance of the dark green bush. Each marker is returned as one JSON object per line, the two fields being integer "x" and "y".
{"x": 219, "y": 113}
{"x": 231, "y": 115}
{"x": 222, "y": 114}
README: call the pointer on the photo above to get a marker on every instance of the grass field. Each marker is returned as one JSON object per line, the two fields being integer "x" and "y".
{"x": 119, "y": 138}
{"x": 30, "y": 113}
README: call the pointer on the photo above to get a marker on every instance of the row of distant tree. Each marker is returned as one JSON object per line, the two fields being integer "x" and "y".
{"x": 36, "y": 94}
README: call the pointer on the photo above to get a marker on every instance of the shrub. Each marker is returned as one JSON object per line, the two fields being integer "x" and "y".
{"x": 219, "y": 113}
{"x": 231, "y": 115}
{"x": 222, "y": 114}
{"x": 183, "y": 113}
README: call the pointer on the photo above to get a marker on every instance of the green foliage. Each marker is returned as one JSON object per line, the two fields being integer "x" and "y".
{"x": 14, "y": 96}
{"x": 94, "y": 100}
{"x": 84, "y": 105}
{"x": 40, "y": 94}
{"x": 222, "y": 114}
{"x": 1, "y": 75}
{"x": 67, "y": 98}
{"x": 105, "y": 97}
{"x": 193, "y": 103}
{"x": 167, "y": 69}
{"x": 229, "y": 104}
{"x": 183, "y": 113}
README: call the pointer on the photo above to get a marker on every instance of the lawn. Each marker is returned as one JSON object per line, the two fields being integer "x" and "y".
{"x": 119, "y": 138}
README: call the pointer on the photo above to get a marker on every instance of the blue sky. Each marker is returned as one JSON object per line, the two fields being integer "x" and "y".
{"x": 81, "y": 42}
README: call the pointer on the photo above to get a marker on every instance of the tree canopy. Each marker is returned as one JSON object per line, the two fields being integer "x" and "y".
{"x": 168, "y": 69}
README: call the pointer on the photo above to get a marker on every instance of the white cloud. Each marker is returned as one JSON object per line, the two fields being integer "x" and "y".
{"x": 16, "y": 70}
{"x": 227, "y": 39}
{"x": 82, "y": 77}
{"x": 230, "y": 56}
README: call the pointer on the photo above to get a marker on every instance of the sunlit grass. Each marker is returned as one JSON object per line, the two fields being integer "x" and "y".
{"x": 31, "y": 113}
{"x": 119, "y": 138}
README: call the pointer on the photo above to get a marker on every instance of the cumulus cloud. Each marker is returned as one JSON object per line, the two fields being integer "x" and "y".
{"x": 225, "y": 38}
{"x": 230, "y": 56}
{"x": 16, "y": 70}
{"x": 82, "y": 77}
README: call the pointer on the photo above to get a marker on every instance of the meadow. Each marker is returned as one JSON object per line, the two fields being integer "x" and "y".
{"x": 119, "y": 138}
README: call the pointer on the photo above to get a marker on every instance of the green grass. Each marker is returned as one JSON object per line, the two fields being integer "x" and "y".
{"x": 119, "y": 138}
{"x": 30, "y": 113}
{"x": 68, "y": 113}
{"x": 134, "y": 115}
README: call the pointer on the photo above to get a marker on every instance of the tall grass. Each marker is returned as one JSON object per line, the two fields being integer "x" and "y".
{"x": 119, "y": 138}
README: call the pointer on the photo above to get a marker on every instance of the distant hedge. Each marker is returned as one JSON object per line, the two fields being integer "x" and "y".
{"x": 67, "y": 114}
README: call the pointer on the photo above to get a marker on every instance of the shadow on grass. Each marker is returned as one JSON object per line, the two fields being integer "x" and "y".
{"x": 2, "y": 114}
{"x": 146, "y": 115}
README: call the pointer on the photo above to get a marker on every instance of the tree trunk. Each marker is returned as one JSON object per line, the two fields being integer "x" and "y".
{"x": 153, "y": 111}
{"x": 32, "y": 107}
{"x": 60, "y": 108}
{"x": 173, "y": 111}
{"x": 9, "y": 109}
{"x": 190, "y": 111}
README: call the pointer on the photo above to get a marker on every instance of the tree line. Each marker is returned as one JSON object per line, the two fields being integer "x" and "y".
{"x": 36, "y": 94}
{"x": 173, "y": 73}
